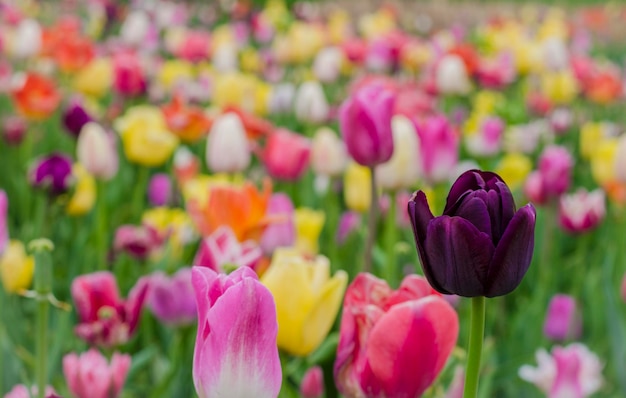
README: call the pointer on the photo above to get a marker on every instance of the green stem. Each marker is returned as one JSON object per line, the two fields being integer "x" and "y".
{"x": 371, "y": 223}
{"x": 391, "y": 237}
{"x": 475, "y": 349}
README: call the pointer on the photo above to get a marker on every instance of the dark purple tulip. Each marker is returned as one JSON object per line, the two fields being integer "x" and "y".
{"x": 53, "y": 172}
{"x": 480, "y": 246}
{"x": 75, "y": 117}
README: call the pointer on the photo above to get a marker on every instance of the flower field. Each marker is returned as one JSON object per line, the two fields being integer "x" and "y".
{"x": 266, "y": 199}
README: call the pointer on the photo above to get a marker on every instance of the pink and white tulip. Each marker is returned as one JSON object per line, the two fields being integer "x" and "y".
{"x": 97, "y": 152}
{"x": 222, "y": 248}
{"x": 487, "y": 141}
{"x": 89, "y": 375}
{"x": 582, "y": 211}
{"x": 235, "y": 355}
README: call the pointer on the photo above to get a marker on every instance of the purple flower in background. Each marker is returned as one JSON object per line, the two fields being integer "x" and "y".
{"x": 562, "y": 320}
{"x": 480, "y": 246}
{"x": 75, "y": 117}
{"x": 160, "y": 190}
{"x": 171, "y": 298}
{"x": 52, "y": 172}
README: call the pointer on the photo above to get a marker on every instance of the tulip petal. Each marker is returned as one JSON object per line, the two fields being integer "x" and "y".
{"x": 513, "y": 254}
{"x": 472, "y": 180}
{"x": 420, "y": 215}
{"x": 359, "y": 132}
{"x": 237, "y": 356}
{"x": 418, "y": 335}
{"x": 458, "y": 256}
{"x": 474, "y": 209}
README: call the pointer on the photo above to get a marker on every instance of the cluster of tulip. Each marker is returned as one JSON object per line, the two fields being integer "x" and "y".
{"x": 261, "y": 184}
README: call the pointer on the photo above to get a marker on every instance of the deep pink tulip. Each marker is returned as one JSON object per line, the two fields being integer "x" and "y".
{"x": 160, "y": 190}
{"x": 89, "y": 375}
{"x": 498, "y": 72}
{"x": 365, "y": 123}
{"x": 4, "y": 228}
{"x": 53, "y": 173}
{"x": 281, "y": 231}
{"x": 129, "y": 78}
{"x": 562, "y": 320}
{"x": 555, "y": 166}
{"x": 312, "y": 385}
{"x": 222, "y": 249}
{"x": 286, "y": 155}
{"x": 439, "y": 147}
{"x": 137, "y": 241}
{"x": 581, "y": 211}
{"x": 236, "y": 353}
{"x": 105, "y": 318}
{"x": 171, "y": 298}
{"x": 393, "y": 343}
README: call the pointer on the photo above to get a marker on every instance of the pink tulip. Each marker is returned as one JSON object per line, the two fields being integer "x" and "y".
{"x": 348, "y": 223}
{"x": 572, "y": 372}
{"x": 286, "y": 155}
{"x": 562, "y": 320}
{"x": 4, "y": 228}
{"x": 498, "y": 72}
{"x": 160, "y": 190}
{"x": 312, "y": 385}
{"x": 555, "y": 166}
{"x": 581, "y": 211}
{"x": 89, "y": 375}
{"x": 561, "y": 119}
{"x": 439, "y": 146}
{"x": 137, "y": 241}
{"x": 21, "y": 391}
{"x": 129, "y": 78}
{"x": 195, "y": 46}
{"x": 365, "y": 123}
{"x": 487, "y": 141}
{"x": 96, "y": 150}
{"x": 222, "y": 249}
{"x": 171, "y": 299}
{"x": 236, "y": 353}
{"x": 105, "y": 318}
{"x": 281, "y": 231}
{"x": 393, "y": 343}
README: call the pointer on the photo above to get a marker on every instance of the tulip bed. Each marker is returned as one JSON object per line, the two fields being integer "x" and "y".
{"x": 227, "y": 200}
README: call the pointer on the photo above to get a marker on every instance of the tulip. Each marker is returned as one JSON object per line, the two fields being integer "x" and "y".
{"x": 286, "y": 155}
{"x": 581, "y": 211}
{"x": 604, "y": 159}
{"x": 14, "y": 129}
{"x": 52, "y": 173}
{"x": 357, "y": 188}
{"x": 281, "y": 232}
{"x": 392, "y": 343}
{"x": 96, "y": 150}
{"x": 21, "y": 391}
{"x": 559, "y": 87}
{"x": 84, "y": 197}
{"x": 235, "y": 353}
{"x": 4, "y": 227}
{"x": 562, "y": 320}
{"x": 404, "y": 168}
{"x": 439, "y": 148}
{"x": 487, "y": 140}
{"x": 365, "y": 123}
{"x": 561, "y": 120}
{"x": 479, "y": 214}
{"x": 27, "y": 38}
{"x": 160, "y": 190}
{"x": 571, "y": 371}
{"x": 221, "y": 251}
{"x": 134, "y": 29}
{"x": 195, "y": 46}
{"x": 89, "y": 375}
{"x": 282, "y": 98}
{"x": 171, "y": 299}
{"x": 105, "y": 318}
{"x": 310, "y": 104}
{"x": 228, "y": 150}
{"x": 95, "y": 79}
{"x": 328, "y": 153}
{"x": 312, "y": 385}
{"x": 16, "y": 268}
{"x": 309, "y": 224}
{"x": 555, "y": 166}
{"x": 75, "y": 117}
{"x": 513, "y": 168}
{"x": 327, "y": 64}
{"x": 128, "y": 76}
{"x": 348, "y": 223}
{"x": 169, "y": 225}
{"x": 525, "y": 138}
{"x": 36, "y": 97}
{"x": 307, "y": 299}
{"x": 452, "y": 76}
{"x": 139, "y": 242}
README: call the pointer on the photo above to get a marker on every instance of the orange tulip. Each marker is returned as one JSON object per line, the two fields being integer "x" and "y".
{"x": 55, "y": 36}
{"x": 187, "y": 122}
{"x": 73, "y": 53}
{"x": 241, "y": 207}
{"x": 604, "y": 87}
{"x": 37, "y": 97}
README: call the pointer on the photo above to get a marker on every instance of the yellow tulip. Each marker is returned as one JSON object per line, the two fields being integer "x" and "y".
{"x": 250, "y": 60}
{"x": 377, "y": 24}
{"x": 173, "y": 71}
{"x": 309, "y": 224}
{"x": 357, "y": 187}
{"x": 145, "y": 137}
{"x": 16, "y": 268}
{"x": 338, "y": 25}
{"x": 95, "y": 78}
{"x": 84, "y": 196}
{"x": 307, "y": 299}
{"x": 514, "y": 168}
{"x": 591, "y": 134}
{"x": 234, "y": 88}
{"x": 560, "y": 87}
{"x": 603, "y": 161}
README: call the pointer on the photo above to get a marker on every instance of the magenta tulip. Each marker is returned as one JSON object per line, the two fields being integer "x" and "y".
{"x": 236, "y": 355}
{"x": 439, "y": 147}
{"x": 365, "y": 123}
{"x": 89, "y": 375}
{"x": 160, "y": 190}
{"x": 105, "y": 319}
{"x": 393, "y": 343}
{"x": 286, "y": 155}
{"x": 171, "y": 299}
{"x": 562, "y": 320}
{"x": 137, "y": 241}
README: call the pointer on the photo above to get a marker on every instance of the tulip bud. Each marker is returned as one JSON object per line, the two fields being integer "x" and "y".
{"x": 328, "y": 153}
{"x": 52, "y": 173}
{"x": 404, "y": 168}
{"x": 13, "y": 130}
{"x": 135, "y": 28}
{"x": 97, "y": 152}
{"x": 310, "y": 104}
{"x": 160, "y": 190}
{"x": 128, "y": 76}
{"x": 348, "y": 223}
{"x": 581, "y": 211}
{"x": 561, "y": 119}
{"x": 312, "y": 385}
{"x": 562, "y": 320}
{"x": 327, "y": 64}
{"x": 90, "y": 374}
{"x": 84, "y": 195}
{"x": 555, "y": 166}
{"x": 282, "y": 98}
{"x": 451, "y": 76}
{"x": 227, "y": 145}
{"x": 365, "y": 123}
{"x": 75, "y": 117}
{"x": 26, "y": 39}
{"x": 16, "y": 268}
{"x": 357, "y": 188}
{"x": 171, "y": 299}
{"x": 286, "y": 155}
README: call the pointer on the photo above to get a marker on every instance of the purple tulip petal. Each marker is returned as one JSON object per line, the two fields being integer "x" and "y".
{"x": 513, "y": 255}
{"x": 458, "y": 256}
{"x": 420, "y": 215}
{"x": 476, "y": 211}
{"x": 472, "y": 180}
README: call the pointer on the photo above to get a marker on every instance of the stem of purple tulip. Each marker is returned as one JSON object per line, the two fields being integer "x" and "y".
{"x": 371, "y": 223}
{"x": 475, "y": 349}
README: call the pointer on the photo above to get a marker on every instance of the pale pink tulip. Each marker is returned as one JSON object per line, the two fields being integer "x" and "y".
{"x": 89, "y": 375}
{"x": 97, "y": 152}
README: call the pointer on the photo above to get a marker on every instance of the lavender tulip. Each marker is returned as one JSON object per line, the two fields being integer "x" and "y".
{"x": 171, "y": 299}
{"x": 236, "y": 354}
{"x": 480, "y": 246}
